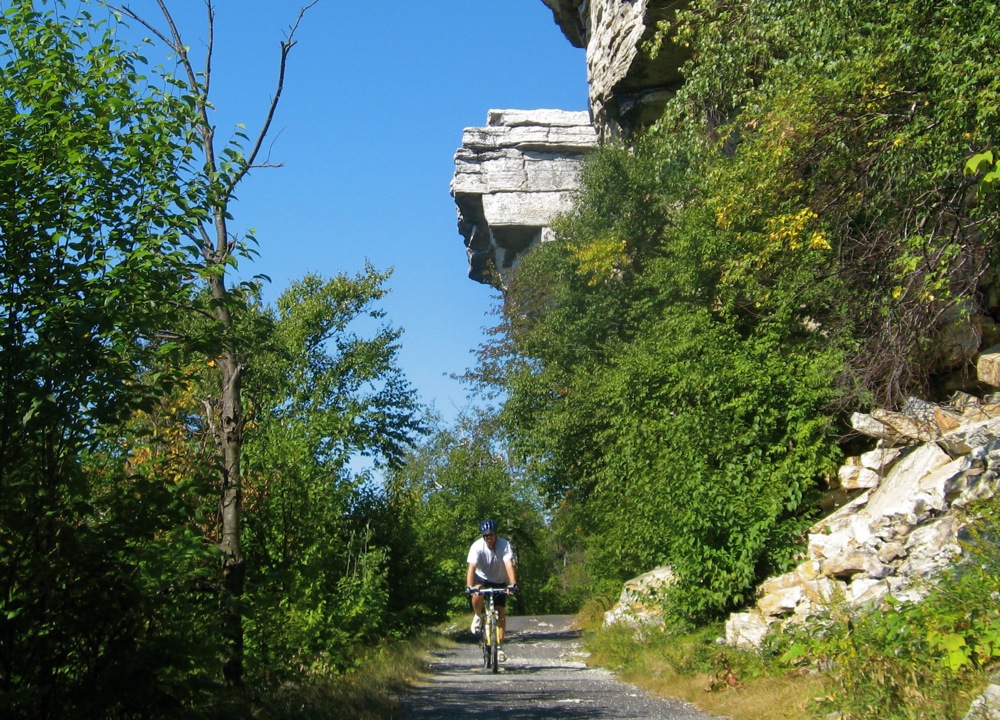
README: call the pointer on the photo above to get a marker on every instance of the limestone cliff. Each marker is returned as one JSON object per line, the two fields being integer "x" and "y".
{"x": 516, "y": 174}
{"x": 628, "y": 88}
{"x": 512, "y": 178}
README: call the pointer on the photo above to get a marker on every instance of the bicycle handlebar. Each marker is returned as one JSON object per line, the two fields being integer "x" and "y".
{"x": 490, "y": 591}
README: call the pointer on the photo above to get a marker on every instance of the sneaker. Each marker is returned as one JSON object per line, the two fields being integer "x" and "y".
{"x": 477, "y": 622}
{"x": 501, "y": 655}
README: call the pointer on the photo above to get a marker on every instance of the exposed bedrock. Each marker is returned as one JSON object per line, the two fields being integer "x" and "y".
{"x": 512, "y": 178}
{"x": 628, "y": 87}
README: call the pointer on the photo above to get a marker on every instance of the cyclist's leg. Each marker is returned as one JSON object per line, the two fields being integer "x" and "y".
{"x": 501, "y": 623}
{"x": 477, "y": 607}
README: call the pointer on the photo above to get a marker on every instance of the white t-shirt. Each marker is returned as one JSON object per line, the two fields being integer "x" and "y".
{"x": 490, "y": 563}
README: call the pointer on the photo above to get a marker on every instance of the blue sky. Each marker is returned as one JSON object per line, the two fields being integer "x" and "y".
{"x": 376, "y": 97}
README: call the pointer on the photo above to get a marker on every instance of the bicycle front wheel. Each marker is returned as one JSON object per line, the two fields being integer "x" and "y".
{"x": 494, "y": 645}
{"x": 484, "y": 643}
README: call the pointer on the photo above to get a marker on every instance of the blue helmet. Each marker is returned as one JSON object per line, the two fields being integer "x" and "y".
{"x": 487, "y": 527}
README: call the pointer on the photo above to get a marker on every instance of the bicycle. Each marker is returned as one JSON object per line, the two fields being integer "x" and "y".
{"x": 489, "y": 629}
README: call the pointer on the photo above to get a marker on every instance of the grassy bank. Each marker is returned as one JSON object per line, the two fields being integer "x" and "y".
{"x": 719, "y": 681}
{"x": 367, "y": 692}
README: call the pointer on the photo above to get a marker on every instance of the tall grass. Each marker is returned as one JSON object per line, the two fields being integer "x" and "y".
{"x": 369, "y": 692}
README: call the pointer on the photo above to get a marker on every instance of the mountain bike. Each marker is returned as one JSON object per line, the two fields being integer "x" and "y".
{"x": 489, "y": 629}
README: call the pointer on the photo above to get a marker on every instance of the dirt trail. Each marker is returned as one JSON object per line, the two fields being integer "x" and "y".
{"x": 544, "y": 677}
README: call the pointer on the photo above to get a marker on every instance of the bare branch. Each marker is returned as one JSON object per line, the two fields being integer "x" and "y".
{"x": 286, "y": 47}
{"x": 210, "y": 46}
{"x": 129, "y": 13}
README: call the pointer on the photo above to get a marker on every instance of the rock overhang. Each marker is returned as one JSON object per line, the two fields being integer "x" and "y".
{"x": 513, "y": 177}
{"x": 516, "y": 174}
{"x": 629, "y": 85}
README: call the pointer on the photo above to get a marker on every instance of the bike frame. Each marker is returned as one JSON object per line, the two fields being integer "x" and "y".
{"x": 489, "y": 631}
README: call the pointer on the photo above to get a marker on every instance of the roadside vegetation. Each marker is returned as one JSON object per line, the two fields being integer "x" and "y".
{"x": 788, "y": 244}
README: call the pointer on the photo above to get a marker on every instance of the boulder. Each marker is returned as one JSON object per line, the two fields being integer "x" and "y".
{"x": 821, "y": 591}
{"x": 963, "y": 439}
{"x": 826, "y": 546}
{"x": 880, "y": 459}
{"x": 932, "y": 547}
{"x": 868, "y": 425}
{"x": 864, "y": 592}
{"x": 781, "y": 602}
{"x": 895, "y": 539}
{"x": 746, "y": 629}
{"x": 638, "y": 605}
{"x": 988, "y": 366}
{"x": 897, "y": 493}
{"x": 855, "y": 562}
{"x": 857, "y": 477}
{"x": 916, "y": 428}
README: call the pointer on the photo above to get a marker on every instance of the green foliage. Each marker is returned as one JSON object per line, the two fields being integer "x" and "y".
{"x": 458, "y": 477}
{"x": 789, "y": 242}
{"x": 857, "y": 114}
{"x": 96, "y": 556}
{"x": 320, "y": 394}
{"x": 111, "y": 595}
{"x": 673, "y": 427}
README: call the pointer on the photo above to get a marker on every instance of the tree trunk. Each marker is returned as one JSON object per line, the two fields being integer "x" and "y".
{"x": 230, "y": 433}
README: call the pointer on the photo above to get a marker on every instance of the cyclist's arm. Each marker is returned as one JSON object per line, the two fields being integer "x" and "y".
{"x": 511, "y": 574}
{"x": 470, "y": 576}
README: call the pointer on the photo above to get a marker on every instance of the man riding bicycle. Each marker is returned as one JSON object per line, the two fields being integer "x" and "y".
{"x": 491, "y": 565}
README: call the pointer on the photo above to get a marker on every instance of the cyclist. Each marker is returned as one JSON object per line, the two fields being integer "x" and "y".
{"x": 491, "y": 565}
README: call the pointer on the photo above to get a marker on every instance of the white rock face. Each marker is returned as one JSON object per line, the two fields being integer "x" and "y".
{"x": 987, "y": 705}
{"x": 746, "y": 629}
{"x": 628, "y": 88}
{"x": 639, "y": 605}
{"x": 896, "y": 537}
{"x": 988, "y": 366}
{"x": 513, "y": 177}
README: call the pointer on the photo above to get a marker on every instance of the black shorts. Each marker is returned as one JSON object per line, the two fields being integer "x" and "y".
{"x": 498, "y": 600}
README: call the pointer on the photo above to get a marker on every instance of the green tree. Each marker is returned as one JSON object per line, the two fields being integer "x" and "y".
{"x": 320, "y": 396}
{"x": 458, "y": 477}
{"x": 93, "y": 214}
{"x": 223, "y": 167}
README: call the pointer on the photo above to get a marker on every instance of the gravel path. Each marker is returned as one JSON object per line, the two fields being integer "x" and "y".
{"x": 544, "y": 677}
